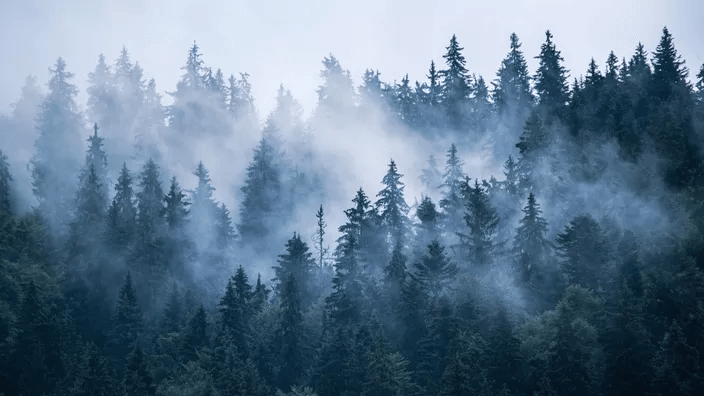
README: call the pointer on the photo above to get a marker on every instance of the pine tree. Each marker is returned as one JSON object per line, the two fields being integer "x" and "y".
{"x": 122, "y": 214}
{"x": 150, "y": 227}
{"x": 530, "y": 248}
{"x": 203, "y": 210}
{"x": 583, "y": 248}
{"x": 262, "y": 192}
{"x": 551, "y": 80}
{"x": 127, "y": 322}
{"x": 137, "y": 379}
{"x": 431, "y": 176}
{"x": 89, "y": 219}
{"x": 482, "y": 220}
{"x": 260, "y": 295}
{"x": 676, "y": 365}
{"x": 176, "y": 211}
{"x": 319, "y": 239}
{"x": 344, "y": 303}
{"x": 392, "y": 206}
{"x": 93, "y": 375}
{"x": 336, "y": 95}
{"x": 406, "y": 102}
{"x": 195, "y": 336}
{"x": 232, "y": 317}
{"x": 456, "y": 90}
{"x": 435, "y": 272}
{"x": 429, "y": 227}
{"x": 53, "y": 170}
{"x": 669, "y": 71}
{"x": 102, "y": 101}
{"x": 172, "y": 317}
{"x": 297, "y": 261}
{"x": 532, "y": 147}
{"x": 290, "y": 337}
{"x": 395, "y": 274}
{"x": 512, "y": 182}
{"x": 512, "y": 95}
{"x": 451, "y": 202}
{"x": 6, "y": 202}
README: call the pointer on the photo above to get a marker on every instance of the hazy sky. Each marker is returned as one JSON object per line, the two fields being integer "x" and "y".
{"x": 285, "y": 41}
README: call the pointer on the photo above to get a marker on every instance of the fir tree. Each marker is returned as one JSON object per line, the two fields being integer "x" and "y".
{"x": 455, "y": 85}
{"x": 290, "y": 337}
{"x": 451, "y": 202}
{"x": 550, "y": 80}
{"x": 319, "y": 241}
{"x": 6, "y": 203}
{"x": 530, "y": 247}
{"x": 195, "y": 336}
{"x": 482, "y": 220}
{"x": 127, "y": 322}
{"x": 431, "y": 176}
{"x": 102, "y": 100}
{"x": 298, "y": 262}
{"x": 435, "y": 272}
{"x": 176, "y": 207}
{"x": 53, "y": 171}
{"x": 583, "y": 248}
{"x": 429, "y": 227}
{"x": 122, "y": 214}
{"x": 137, "y": 379}
{"x": 532, "y": 147}
{"x": 172, "y": 317}
{"x": 93, "y": 375}
{"x": 512, "y": 95}
{"x": 262, "y": 191}
{"x": 669, "y": 71}
{"x": 392, "y": 206}
{"x": 395, "y": 273}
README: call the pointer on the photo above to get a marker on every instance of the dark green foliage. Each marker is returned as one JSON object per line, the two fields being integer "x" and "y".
{"x": 5, "y": 186}
{"x": 481, "y": 219}
{"x": 137, "y": 380}
{"x": 583, "y": 250}
{"x": 392, "y": 206}
{"x": 530, "y": 247}
{"x": 551, "y": 80}
{"x": 127, "y": 323}
{"x": 298, "y": 262}
{"x": 455, "y": 85}
{"x": 612, "y": 312}
{"x": 435, "y": 272}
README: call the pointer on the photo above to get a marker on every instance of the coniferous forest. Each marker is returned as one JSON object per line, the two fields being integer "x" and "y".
{"x": 576, "y": 269}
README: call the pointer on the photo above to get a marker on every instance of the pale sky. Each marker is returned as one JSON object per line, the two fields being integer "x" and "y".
{"x": 285, "y": 41}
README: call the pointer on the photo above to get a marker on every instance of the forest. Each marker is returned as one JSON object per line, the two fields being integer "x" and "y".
{"x": 576, "y": 269}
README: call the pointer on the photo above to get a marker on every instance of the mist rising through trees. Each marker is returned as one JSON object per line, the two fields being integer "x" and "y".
{"x": 575, "y": 269}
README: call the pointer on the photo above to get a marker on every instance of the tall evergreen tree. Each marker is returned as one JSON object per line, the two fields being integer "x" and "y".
{"x": 127, "y": 323}
{"x": 392, "y": 206}
{"x": 481, "y": 219}
{"x": 431, "y": 176}
{"x": 456, "y": 89}
{"x": 262, "y": 192}
{"x": 435, "y": 272}
{"x": 512, "y": 95}
{"x": 551, "y": 80}
{"x": 298, "y": 262}
{"x": 6, "y": 203}
{"x": 290, "y": 337}
{"x": 583, "y": 249}
{"x": 53, "y": 170}
{"x": 451, "y": 202}
{"x": 530, "y": 248}
{"x": 122, "y": 214}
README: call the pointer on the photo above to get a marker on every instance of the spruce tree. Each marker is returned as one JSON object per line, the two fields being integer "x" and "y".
{"x": 532, "y": 148}
{"x": 435, "y": 272}
{"x": 176, "y": 207}
{"x": 137, "y": 379}
{"x": 261, "y": 199}
{"x": 530, "y": 247}
{"x": 395, "y": 274}
{"x": 53, "y": 170}
{"x": 127, "y": 323}
{"x": 451, "y": 202}
{"x": 392, "y": 206}
{"x": 122, "y": 215}
{"x": 455, "y": 85}
{"x": 551, "y": 80}
{"x": 431, "y": 176}
{"x": 298, "y": 262}
{"x": 6, "y": 203}
{"x": 583, "y": 250}
{"x": 290, "y": 337}
{"x": 195, "y": 335}
{"x": 430, "y": 222}
{"x": 103, "y": 104}
{"x": 669, "y": 70}
{"x": 512, "y": 95}
{"x": 482, "y": 220}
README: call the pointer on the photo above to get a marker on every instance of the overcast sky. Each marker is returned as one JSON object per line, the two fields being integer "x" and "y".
{"x": 284, "y": 41}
